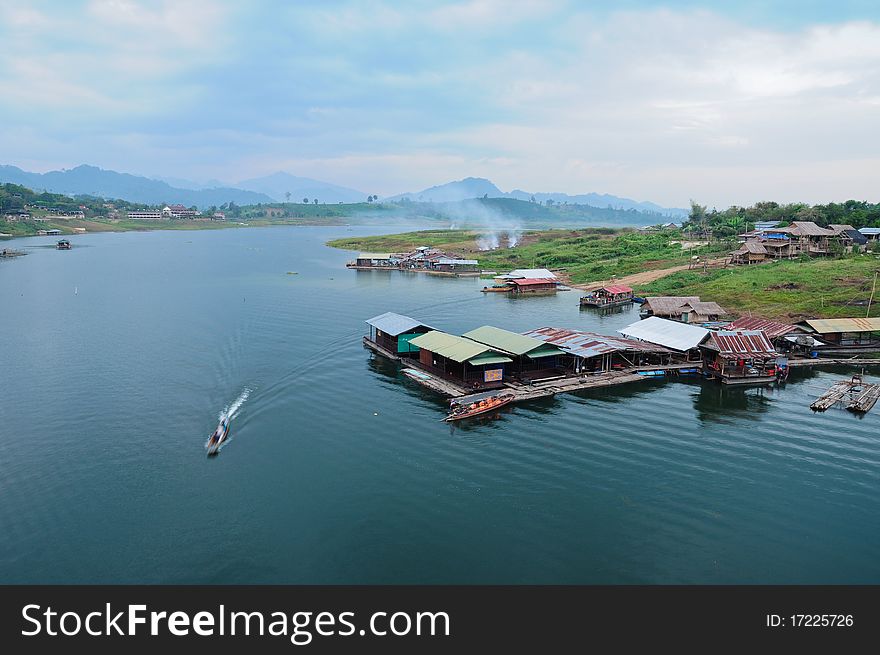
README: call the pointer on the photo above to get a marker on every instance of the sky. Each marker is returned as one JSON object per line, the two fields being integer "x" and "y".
{"x": 723, "y": 103}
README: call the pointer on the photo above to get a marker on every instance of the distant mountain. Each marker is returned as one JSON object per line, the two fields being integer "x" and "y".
{"x": 477, "y": 187}
{"x": 93, "y": 181}
{"x": 466, "y": 189}
{"x": 279, "y": 184}
{"x": 181, "y": 183}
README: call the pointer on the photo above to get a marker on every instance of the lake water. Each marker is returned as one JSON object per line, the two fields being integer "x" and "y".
{"x": 119, "y": 355}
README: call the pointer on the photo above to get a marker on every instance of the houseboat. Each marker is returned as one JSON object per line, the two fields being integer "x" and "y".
{"x": 613, "y": 295}
{"x": 739, "y": 357}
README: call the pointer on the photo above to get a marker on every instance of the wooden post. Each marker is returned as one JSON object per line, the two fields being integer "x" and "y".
{"x": 871, "y": 299}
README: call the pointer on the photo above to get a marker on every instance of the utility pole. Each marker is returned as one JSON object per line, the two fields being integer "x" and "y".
{"x": 871, "y": 299}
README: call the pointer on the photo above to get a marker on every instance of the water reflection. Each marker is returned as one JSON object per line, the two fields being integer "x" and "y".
{"x": 722, "y": 403}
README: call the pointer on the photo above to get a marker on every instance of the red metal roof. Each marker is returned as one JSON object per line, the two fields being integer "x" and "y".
{"x": 618, "y": 288}
{"x": 528, "y": 281}
{"x": 772, "y": 329}
{"x": 591, "y": 344}
{"x": 741, "y": 342}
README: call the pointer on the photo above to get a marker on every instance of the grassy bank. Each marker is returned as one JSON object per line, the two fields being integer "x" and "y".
{"x": 24, "y": 229}
{"x": 582, "y": 255}
{"x": 787, "y": 290}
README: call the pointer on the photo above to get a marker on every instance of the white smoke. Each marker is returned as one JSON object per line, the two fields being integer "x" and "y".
{"x": 498, "y": 230}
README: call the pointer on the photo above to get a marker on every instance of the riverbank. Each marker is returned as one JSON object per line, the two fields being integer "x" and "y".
{"x": 657, "y": 264}
{"x": 580, "y": 256}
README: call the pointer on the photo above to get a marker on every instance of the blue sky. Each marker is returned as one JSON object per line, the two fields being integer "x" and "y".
{"x": 726, "y": 103}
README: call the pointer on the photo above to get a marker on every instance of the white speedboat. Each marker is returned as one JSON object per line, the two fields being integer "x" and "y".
{"x": 218, "y": 437}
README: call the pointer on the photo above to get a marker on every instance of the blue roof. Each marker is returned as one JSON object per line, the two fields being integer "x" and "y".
{"x": 395, "y": 324}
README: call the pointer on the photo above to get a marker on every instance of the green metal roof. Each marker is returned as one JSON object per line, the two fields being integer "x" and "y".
{"x": 489, "y": 358}
{"x": 547, "y": 350}
{"x": 452, "y": 347}
{"x": 509, "y": 342}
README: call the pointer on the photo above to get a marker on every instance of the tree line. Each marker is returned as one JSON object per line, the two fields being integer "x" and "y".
{"x": 735, "y": 220}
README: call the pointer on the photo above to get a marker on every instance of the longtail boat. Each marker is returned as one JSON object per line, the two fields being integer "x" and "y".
{"x": 476, "y": 404}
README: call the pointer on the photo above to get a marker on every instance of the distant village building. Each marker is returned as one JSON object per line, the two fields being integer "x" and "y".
{"x": 870, "y": 233}
{"x": 148, "y": 215}
{"x": 685, "y": 309}
{"x": 219, "y": 216}
{"x": 179, "y": 211}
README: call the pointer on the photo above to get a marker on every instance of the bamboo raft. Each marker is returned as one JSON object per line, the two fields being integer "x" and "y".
{"x": 858, "y": 396}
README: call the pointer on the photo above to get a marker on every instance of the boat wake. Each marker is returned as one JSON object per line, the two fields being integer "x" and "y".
{"x": 231, "y": 411}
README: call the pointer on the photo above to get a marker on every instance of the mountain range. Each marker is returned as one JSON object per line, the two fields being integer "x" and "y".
{"x": 478, "y": 187}
{"x": 94, "y": 181}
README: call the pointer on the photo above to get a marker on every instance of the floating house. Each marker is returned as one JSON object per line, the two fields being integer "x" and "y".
{"x": 528, "y": 273}
{"x": 463, "y": 361}
{"x": 375, "y": 260}
{"x": 685, "y": 309}
{"x": 450, "y": 265}
{"x": 739, "y": 357}
{"x": 532, "y": 357}
{"x": 608, "y": 296}
{"x": 845, "y": 335}
{"x": 589, "y": 352}
{"x": 679, "y": 337}
{"x": 783, "y": 336}
{"x": 393, "y": 332}
{"x": 423, "y": 259}
{"x": 533, "y": 285}
{"x": 53, "y": 233}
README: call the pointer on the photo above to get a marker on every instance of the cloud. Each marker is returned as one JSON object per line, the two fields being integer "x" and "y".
{"x": 649, "y": 103}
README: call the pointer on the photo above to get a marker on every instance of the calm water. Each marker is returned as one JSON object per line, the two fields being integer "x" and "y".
{"x": 118, "y": 356}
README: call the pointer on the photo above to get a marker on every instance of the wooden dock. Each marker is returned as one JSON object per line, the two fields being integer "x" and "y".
{"x": 538, "y": 388}
{"x": 857, "y": 396}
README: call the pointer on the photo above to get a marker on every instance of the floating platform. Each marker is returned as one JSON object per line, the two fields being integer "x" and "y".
{"x": 856, "y": 395}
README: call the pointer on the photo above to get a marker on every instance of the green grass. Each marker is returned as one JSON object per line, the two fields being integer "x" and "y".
{"x": 584, "y": 255}
{"x": 788, "y": 290}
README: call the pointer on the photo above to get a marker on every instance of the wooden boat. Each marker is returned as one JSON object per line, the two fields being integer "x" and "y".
{"x": 218, "y": 437}
{"x": 476, "y": 404}
{"x": 496, "y": 288}
{"x": 63, "y": 244}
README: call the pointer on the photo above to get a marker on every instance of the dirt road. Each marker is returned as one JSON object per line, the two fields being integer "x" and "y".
{"x": 636, "y": 278}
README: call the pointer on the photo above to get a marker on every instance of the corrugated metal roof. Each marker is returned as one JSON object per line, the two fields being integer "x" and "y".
{"x": 489, "y": 358}
{"x": 869, "y": 230}
{"x": 445, "y": 260}
{"x": 527, "y": 282}
{"x": 772, "y": 329}
{"x": 838, "y": 325}
{"x": 837, "y": 228}
{"x": 395, "y": 324}
{"x": 374, "y": 255}
{"x": 530, "y": 273}
{"x": 590, "y": 344}
{"x": 671, "y": 334}
{"x": 740, "y": 342}
{"x": 509, "y": 342}
{"x": 458, "y": 349}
